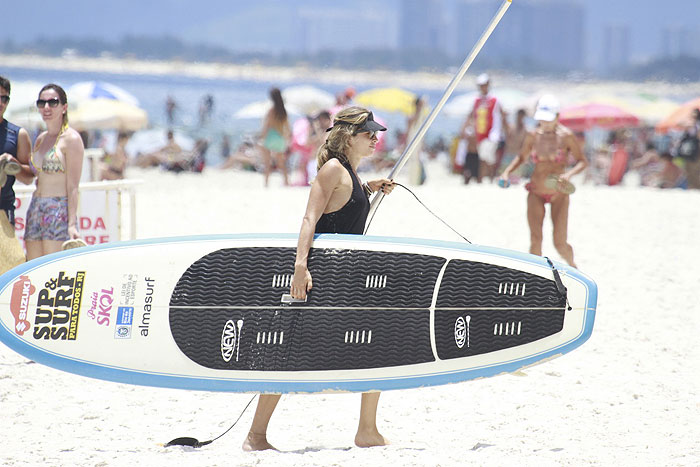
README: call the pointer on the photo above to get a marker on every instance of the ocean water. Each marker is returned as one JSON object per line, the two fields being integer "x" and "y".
{"x": 229, "y": 96}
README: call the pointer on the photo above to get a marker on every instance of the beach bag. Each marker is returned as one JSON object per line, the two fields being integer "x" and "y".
{"x": 688, "y": 147}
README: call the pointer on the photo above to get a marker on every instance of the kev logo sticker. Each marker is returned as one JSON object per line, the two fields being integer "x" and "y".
{"x": 22, "y": 290}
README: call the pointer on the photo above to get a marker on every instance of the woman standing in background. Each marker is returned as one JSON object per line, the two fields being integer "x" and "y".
{"x": 275, "y": 136}
{"x": 57, "y": 162}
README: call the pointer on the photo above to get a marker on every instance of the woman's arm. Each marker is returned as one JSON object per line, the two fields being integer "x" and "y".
{"x": 581, "y": 162}
{"x": 74, "y": 168}
{"x": 520, "y": 158}
{"x": 266, "y": 125}
{"x": 383, "y": 184}
{"x": 328, "y": 178}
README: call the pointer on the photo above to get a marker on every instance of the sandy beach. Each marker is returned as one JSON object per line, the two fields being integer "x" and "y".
{"x": 628, "y": 397}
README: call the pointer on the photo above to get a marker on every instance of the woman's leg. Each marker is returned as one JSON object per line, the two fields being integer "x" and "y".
{"x": 51, "y": 246}
{"x": 535, "y": 218}
{"x": 281, "y": 161}
{"x": 560, "y": 224}
{"x": 267, "y": 160}
{"x": 367, "y": 433}
{"x": 34, "y": 249}
{"x": 257, "y": 436}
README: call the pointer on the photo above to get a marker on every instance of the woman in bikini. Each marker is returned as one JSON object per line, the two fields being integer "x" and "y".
{"x": 338, "y": 203}
{"x": 57, "y": 162}
{"x": 549, "y": 146}
{"x": 275, "y": 136}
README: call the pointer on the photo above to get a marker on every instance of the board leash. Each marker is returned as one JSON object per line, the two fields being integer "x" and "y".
{"x": 431, "y": 212}
{"x": 561, "y": 288}
{"x": 195, "y": 443}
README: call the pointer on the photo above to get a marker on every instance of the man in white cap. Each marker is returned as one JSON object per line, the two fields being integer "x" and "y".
{"x": 486, "y": 119}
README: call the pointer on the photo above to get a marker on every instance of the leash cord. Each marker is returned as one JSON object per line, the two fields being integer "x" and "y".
{"x": 431, "y": 212}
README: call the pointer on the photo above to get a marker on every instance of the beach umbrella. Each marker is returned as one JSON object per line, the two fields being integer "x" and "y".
{"x": 307, "y": 100}
{"x": 587, "y": 116}
{"x": 653, "y": 110}
{"x": 388, "y": 99}
{"x": 28, "y": 118}
{"x": 22, "y": 107}
{"x": 680, "y": 117}
{"x": 87, "y": 90}
{"x": 258, "y": 110}
{"x": 647, "y": 107}
{"x": 105, "y": 114}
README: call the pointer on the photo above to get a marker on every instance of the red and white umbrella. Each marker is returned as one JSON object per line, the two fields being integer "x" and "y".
{"x": 587, "y": 116}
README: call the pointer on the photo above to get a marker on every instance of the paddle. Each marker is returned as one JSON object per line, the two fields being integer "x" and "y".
{"x": 415, "y": 142}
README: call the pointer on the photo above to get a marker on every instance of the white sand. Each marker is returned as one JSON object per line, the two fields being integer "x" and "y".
{"x": 629, "y": 396}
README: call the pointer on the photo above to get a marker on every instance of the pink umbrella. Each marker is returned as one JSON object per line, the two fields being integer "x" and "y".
{"x": 585, "y": 117}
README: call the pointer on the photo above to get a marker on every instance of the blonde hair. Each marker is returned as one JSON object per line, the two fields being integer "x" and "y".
{"x": 345, "y": 125}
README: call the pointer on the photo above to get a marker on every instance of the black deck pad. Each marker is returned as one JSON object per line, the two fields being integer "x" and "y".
{"x": 475, "y": 332}
{"x": 471, "y": 284}
{"x": 348, "y": 278}
{"x": 292, "y": 339}
{"x": 367, "y": 309}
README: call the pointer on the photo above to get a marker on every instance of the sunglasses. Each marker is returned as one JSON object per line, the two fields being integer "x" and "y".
{"x": 371, "y": 134}
{"x": 5, "y": 99}
{"x": 53, "y": 102}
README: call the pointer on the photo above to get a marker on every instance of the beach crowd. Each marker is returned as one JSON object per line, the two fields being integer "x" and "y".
{"x": 493, "y": 144}
{"x": 488, "y": 139}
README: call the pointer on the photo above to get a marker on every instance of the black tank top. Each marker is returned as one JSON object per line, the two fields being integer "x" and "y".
{"x": 9, "y": 133}
{"x": 351, "y": 218}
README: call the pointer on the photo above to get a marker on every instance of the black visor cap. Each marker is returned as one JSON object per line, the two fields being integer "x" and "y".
{"x": 369, "y": 125}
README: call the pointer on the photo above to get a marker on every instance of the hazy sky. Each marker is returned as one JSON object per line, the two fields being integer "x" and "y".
{"x": 32, "y": 19}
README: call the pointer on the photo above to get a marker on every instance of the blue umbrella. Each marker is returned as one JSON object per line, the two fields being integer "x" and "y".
{"x": 87, "y": 90}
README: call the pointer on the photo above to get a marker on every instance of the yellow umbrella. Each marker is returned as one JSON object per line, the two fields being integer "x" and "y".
{"x": 388, "y": 99}
{"x": 679, "y": 118}
{"x": 106, "y": 114}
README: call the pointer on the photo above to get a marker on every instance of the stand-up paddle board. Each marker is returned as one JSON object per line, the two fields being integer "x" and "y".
{"x": 213, "y": 313}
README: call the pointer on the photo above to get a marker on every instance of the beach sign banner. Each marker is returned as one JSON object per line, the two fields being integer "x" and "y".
{"x": 214, "y": 313}
{"x": 105, "y": 211}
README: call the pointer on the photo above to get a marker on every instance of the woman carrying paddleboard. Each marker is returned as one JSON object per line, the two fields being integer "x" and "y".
{"x": 549, "y": 146}
{"x": 338, "y": 203}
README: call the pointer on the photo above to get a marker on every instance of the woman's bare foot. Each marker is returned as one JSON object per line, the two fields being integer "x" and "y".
{"x": 369, "y": 439}
{"x": 257, "y": 442}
